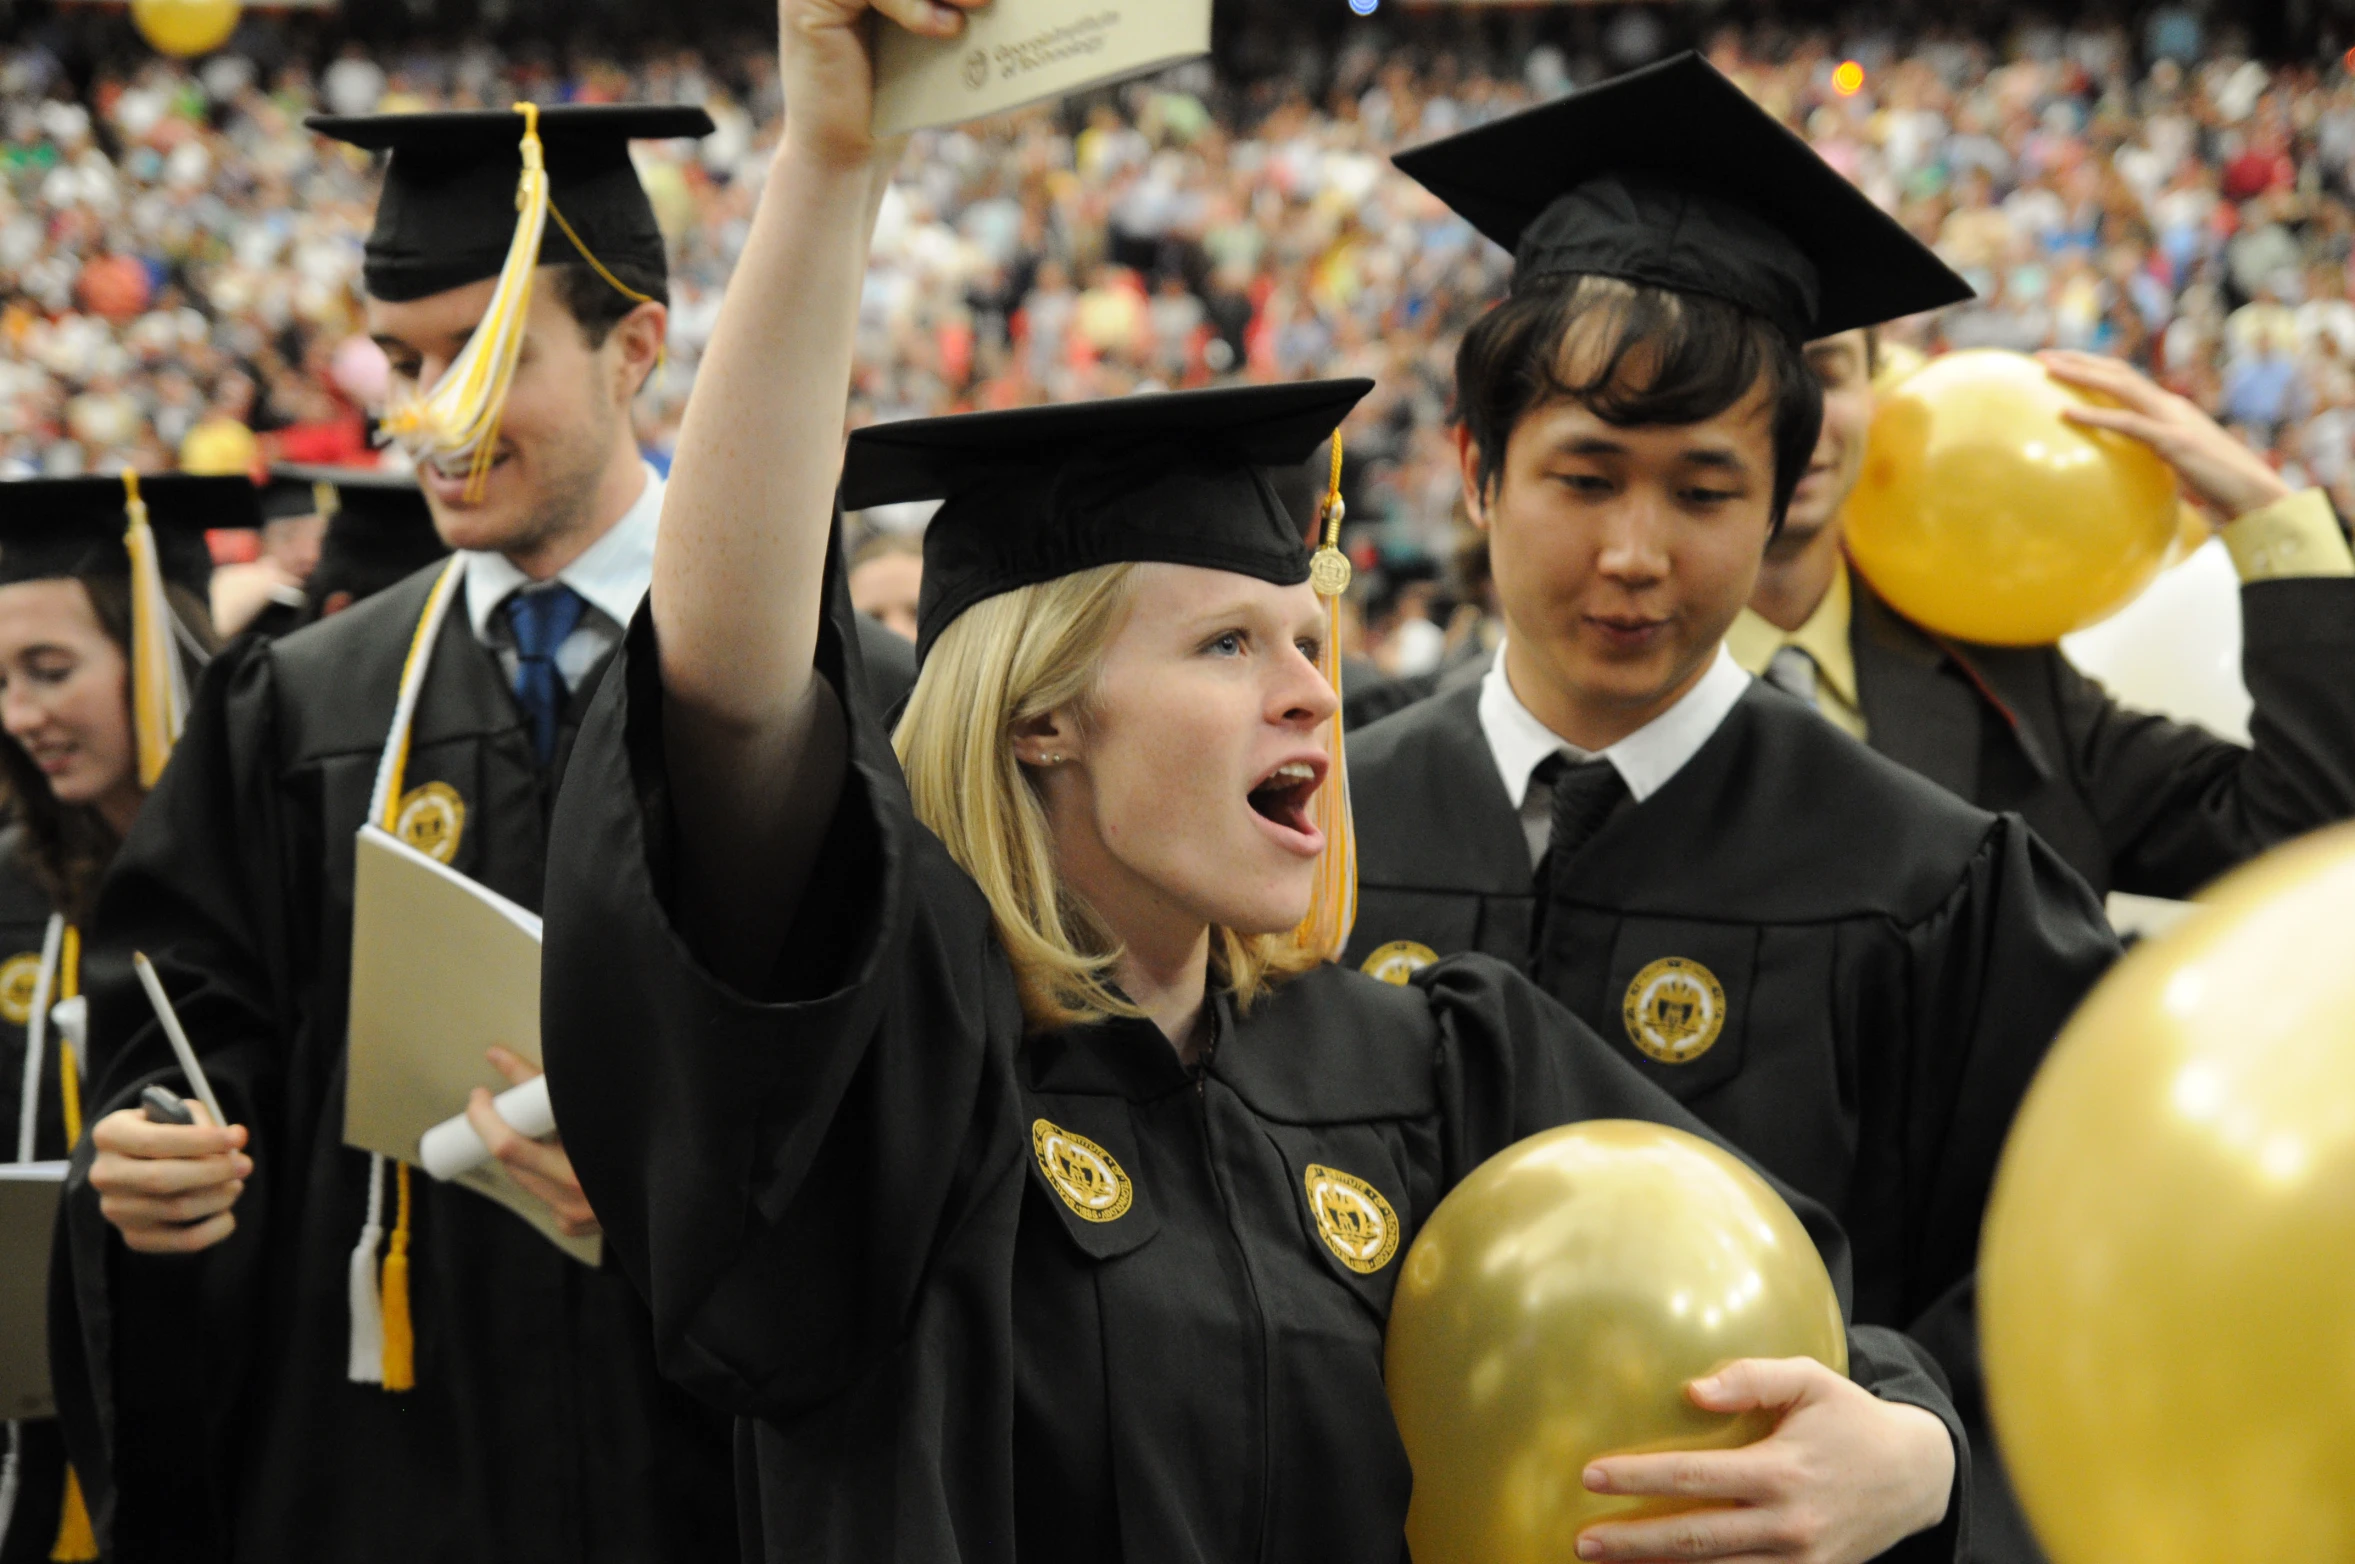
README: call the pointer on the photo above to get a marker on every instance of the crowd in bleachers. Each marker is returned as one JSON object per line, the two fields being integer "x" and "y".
{"x": 179, "y": 258}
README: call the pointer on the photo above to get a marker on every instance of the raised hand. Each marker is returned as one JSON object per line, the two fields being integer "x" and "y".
{"x": 2216, "y": 468}
{"x": 826, "y": 58}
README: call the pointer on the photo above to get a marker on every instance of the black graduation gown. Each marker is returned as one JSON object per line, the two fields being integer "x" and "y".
{"x": 830, "y": 1195}
{"x": 2133, "y": 801}
{"x": 1893, "y": 962}
{"x": 24, "y": 921}
{"x": 539, "y": 1428}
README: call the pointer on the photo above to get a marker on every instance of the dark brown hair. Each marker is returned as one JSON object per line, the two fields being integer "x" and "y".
{"x": 1648, "y": 356}
{"x": 69, "y": 847}
{"x": 597, "y": 304}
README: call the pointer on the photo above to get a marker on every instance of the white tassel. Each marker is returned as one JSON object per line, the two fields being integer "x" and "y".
{"x": 366, "y": 1365}
{"x": 37, "y": 1037}
{"x": 11, "y": 1478}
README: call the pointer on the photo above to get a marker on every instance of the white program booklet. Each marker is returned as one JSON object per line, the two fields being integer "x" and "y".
{"x": 1015, "y": 52}
{"x": 442, "y": 969}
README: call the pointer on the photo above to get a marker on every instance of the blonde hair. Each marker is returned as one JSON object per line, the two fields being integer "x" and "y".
{"x": 1002, "y": 662}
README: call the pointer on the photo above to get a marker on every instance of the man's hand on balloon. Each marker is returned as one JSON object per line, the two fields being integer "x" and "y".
{"x": 2218, "y": 470}
{"x": 1844, "y": 1477}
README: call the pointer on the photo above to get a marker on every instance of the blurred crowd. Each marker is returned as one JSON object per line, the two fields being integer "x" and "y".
{"x": 179, "y": 258}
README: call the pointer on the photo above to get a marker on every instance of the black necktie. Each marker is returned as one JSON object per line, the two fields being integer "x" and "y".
{"x": 1585, "y": 795}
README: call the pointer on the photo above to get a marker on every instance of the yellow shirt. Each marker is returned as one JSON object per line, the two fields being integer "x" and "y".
{"x": 2296, "y": 536}
{"x": 1824, "y": 638}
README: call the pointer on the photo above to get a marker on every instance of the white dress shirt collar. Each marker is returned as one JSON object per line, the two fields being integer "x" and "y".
{"x": 1645, "y": 759}
{"x": 613, "y": 573}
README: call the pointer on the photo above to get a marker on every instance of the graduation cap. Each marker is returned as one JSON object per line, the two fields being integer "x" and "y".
{"x": 379, "y": 528}
{"x": 1041, "y": 492}
{"x": 73, "y": 528}
{"x": 296, "y": 491}
{"x": 1038, "y": 493}
{"x": 1669, "y": 176}
{"x": 146, "y": 530}
{"x": 482, "y": 193}
{"x": 447, "y": 216}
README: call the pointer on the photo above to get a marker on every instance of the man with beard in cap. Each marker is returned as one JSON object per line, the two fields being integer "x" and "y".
{"x": 297, "y": 1349}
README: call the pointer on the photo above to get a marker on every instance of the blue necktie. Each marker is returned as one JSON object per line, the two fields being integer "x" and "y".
{"x": 541, "y": 621}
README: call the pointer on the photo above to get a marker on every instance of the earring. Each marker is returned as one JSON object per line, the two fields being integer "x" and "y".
{"x": 1055, "y": 760}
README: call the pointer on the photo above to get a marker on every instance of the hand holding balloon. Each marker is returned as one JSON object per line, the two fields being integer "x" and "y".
{"x": 1987, "y": 511}
{"x": 1551, "y": 1320}
{"x": 2218, "y": 469}
{"x": 1844, "y": 1476}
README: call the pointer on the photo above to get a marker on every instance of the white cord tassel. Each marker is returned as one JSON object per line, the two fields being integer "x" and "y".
{"x": 37, "y": 1038}
{"x": 366, "y": 1365}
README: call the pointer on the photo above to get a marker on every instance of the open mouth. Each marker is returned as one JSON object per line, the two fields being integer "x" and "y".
{"x": 1282, "y": 795}
{"x": 458, "y": 471}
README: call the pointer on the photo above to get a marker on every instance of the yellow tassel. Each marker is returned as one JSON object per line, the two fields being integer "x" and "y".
{"x": 460, "y": 415}
{"x": 400, "y": 1336}
{"x": 69, "y": 1073}
{"x": 69, "y": 1087}
{"x": 77, "y": 1542}
{"x": 1332, "y": 908}
{"x": 159, "y": 688}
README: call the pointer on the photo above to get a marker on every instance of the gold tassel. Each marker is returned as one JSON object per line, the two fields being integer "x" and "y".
{"x": 400, "y": 1338}
{"x": 460, "y": 415}
{"x": 159, "y": 689}
{"x": 69, "y": 1073}
{"x": 1332, "y": 909}
{"x": 77, "y": 1541}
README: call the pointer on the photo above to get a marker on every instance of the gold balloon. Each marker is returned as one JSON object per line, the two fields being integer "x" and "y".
{"x": 2192, "y": 531}
{"x": 185, "y": 27}
{"x": 1982, "y": 514}
{"x": 2167, "y": 1285}
{"x": 1555, "y": 1307}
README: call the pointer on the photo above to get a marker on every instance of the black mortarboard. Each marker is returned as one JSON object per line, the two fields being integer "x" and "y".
{"x": 63, "y": 528}
{"x": 1041, "y": 492}
{"x": 447, "y": 214}
{"x": 1670, "y": 176}
{"x": 379, "y": 528}
{"x": 285, "y": 497}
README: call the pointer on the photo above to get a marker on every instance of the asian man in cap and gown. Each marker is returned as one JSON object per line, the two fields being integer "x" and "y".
{"x": 1842, "y": 968}
{"x": 300, "y": 1350}
{"x": 962, "y": 1099}
{"x": 2135, "y": 802}
{"x": 103, "y": 631}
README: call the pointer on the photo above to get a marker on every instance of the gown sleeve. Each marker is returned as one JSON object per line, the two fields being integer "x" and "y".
{"x": 1994, "y": 974}
{"x": 2179, "y": 806}
{"x": 1513, "y": 1062}
{"x": 151, "y": 1349}
{"x": 782, "y": 1174}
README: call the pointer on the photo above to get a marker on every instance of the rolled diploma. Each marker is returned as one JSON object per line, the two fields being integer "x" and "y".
{"x": 451, "y": 1147}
